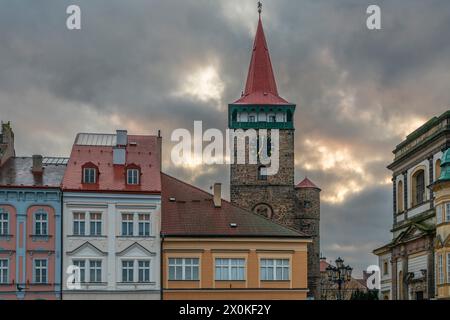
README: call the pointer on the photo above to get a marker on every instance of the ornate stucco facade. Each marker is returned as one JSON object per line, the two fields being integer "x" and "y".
{"x": 411, "y": 255}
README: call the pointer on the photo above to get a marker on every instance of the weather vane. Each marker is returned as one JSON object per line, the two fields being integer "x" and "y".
{"x": 259, "y": 7}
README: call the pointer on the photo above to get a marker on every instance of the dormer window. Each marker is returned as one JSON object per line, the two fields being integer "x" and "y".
{"x": 133, "y": 173}
{"x": 90, "y": 174}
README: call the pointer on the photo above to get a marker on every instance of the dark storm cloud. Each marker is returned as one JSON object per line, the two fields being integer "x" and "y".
{"x": 359, "y": 92}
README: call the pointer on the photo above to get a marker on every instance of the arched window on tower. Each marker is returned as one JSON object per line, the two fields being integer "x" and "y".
{"x": 400, "y": 197}
{"x": 418, "y": 187}
{"x": 437, "y": 169}
{"x": 262, "y": 175}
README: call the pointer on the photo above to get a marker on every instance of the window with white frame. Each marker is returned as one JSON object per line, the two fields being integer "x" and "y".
{"x": 127, "y": 271}
{"x": 144, "y": 224}
{"x": 274, "y": 269}
{"x": 272, "y": 118}
{"x": 184, "y": 269}
{"x": 251, "y": 119}
{"x": 4, "y": 271}
{"x": 440, "y": 269}
{"x": 90, "y": 175}
{"x": 79, "y": 223}
{"x": 144, "y": 271}
{"x": 127, "y": 224}
{"x": 40, "y": 271}
{"x": 133, "y": 176}
{"x": 81, "y": 264}
{"x": 41, "y": 223}
{"x": 95, "y": 271}
{"x": 4, "y": 223}
{"x": 230, "y": 269}
{"x": 95, "y": 224}
{"x": 439, "y": 214}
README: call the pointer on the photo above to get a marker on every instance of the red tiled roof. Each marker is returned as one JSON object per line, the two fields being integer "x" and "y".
{"x": 261, "y": 87}
{"x": 306, "y": 183}
{"x": 189, "y": 211}
{"x": 323, "y": 265}
{"x": 143, "y": 151}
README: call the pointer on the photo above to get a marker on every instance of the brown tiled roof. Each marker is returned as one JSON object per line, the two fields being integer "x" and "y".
{"x": 16, "y": 172}
{"x": 189, "y": 211}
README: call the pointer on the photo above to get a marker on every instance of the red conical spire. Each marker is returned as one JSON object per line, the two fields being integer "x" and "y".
{"x": 261, "y": 87}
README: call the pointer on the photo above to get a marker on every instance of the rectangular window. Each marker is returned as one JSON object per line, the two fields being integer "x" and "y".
{"x": 440, "y": 269}
{"x": 132, "y": 176}
{"x": 272, "y": 119}
{"x": 82, "y": 265}
{"x": 251, "y": 119}
{"x": 4, "y": 271}
{"x": 448, "y": 267}
{"x": 274, "y": 269}
{"x": 439, "y": 214}
{"x": 41, "y": 224}
{"x": 79, "y": 224}
{"x": 95, "y": 224}
{"x": 144, "y": 271}
{"x": 230, "y": 269}
{"x": 4, "y": 223}
{"x": 184, "y": 269}
{"x": 144, "y": 225}
{"x": 127, "y": 271}
{"x": 127, "y": 224}
{"x": 447, "y": 213}
{"x": 89, "y": 175}
{"x": 95, "y": 271}
{"x": 40, "y": 271}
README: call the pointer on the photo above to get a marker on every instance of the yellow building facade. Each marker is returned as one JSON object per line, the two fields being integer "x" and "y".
{"x": 255, "y": 257}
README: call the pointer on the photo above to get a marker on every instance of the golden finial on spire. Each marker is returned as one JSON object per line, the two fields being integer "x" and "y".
{"x": 259, "y": 7}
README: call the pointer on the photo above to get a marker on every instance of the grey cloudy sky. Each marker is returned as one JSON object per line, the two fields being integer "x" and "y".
{"x": 161, "y": 64}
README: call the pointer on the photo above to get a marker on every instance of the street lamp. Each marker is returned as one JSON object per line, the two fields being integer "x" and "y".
{"x": 339, "y": 274}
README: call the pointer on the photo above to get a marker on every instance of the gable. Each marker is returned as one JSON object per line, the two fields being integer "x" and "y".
{"x": 87, "y": 250}
{"x": 137, "y": 251}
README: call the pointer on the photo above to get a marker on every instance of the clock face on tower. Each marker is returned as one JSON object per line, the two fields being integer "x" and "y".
{"x": 264, "y": 210}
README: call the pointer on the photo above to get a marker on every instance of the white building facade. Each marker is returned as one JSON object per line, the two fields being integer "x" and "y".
{"x": 114, "y": 240}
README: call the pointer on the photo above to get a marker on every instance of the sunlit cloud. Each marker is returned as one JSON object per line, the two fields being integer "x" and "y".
{"x": 203, "y": 84}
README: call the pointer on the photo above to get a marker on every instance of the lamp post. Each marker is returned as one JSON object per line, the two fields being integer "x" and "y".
{"x": 339, "y": 275}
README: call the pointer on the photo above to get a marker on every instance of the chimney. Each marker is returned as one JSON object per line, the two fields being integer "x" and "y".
{"x": 121, "y": 138}
{"x": 218, "y": 195}
{"x": 37, "y": 164}
{"x": 119, "y": 151}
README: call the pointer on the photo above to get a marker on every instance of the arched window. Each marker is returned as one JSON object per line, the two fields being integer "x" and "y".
{"x": 418, "y": 188}
{"x": 264, "y": 210}
{"x": 133, "y": 174}
{"x": 400, "y": 197}
{"x": 437, "y": 169}
{"x": 90, "y": 173}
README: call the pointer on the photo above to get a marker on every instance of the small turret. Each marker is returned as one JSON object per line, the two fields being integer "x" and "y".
{"x": 307, "y": 204}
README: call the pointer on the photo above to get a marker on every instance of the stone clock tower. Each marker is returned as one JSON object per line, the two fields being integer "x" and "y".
{"x": 274, "y": 196}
